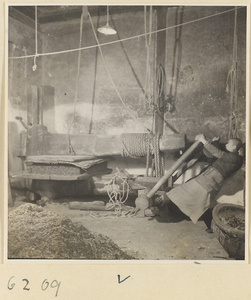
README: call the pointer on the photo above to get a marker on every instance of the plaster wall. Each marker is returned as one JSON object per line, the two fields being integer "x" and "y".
{"x": 110, "y": 89}
{"x": 107, "y": 96}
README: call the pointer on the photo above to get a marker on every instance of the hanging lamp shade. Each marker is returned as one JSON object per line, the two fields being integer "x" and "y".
{"x": 107, "y": 29}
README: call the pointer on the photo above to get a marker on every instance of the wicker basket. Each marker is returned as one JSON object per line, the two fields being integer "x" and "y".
{"x": 229, "y": 227}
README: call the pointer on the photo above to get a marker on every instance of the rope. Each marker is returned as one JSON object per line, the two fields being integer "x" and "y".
{"x": 166, "y": 46}
{"x": 160, "y": 85}
{"x": 106, "y": 67}
{"x": 148, "y": 96}
{"x": 231, "y": 86}
{"x": 176, "y": 62}
{"x": 104, "y": 62}
{"x": 94, "y": 86}
{"x": 34, "y": 67}
{"x": 118, "y": 196}
{"x": 125, "y": 39}
{"x": 158, "y": 158}
{"x": 110, "y": 77}
{"x": 148, "y": 156}
{"x": 71, "y": 150}
{"x": 136, "y": 144}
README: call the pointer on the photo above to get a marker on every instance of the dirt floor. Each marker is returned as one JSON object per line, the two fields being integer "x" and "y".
{"x": 146, "y": 238}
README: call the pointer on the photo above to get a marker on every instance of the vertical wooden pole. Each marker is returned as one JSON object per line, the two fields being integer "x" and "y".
{"x": 38, "y": 100}
{"x": 159, "y": 78}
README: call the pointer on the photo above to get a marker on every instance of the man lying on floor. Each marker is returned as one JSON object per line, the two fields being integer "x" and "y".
{"x": 193, "y": 197}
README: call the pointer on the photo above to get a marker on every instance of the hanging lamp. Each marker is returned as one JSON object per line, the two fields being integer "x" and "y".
{"x": 107, "y": 29}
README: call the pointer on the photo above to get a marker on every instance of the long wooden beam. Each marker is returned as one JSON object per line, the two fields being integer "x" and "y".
{"x": 174, "y": 167}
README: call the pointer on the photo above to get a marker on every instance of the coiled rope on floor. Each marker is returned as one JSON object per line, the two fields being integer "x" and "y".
{"x": 118, "y": 192}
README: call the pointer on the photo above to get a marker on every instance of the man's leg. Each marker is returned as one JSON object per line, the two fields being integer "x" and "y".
{"x": 207, "y": 217}
{"x": 168, "y": 209}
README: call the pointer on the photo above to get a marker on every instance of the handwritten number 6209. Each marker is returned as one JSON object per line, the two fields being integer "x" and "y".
{"x": 44, "y": 286}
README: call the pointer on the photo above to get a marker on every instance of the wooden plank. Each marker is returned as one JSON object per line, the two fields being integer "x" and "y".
{"x": 108, "y": 145}
{"x": 52, "y": 177}
{"x": 82, "y": 144}
{"x": 94, "y": 205}
{"x": 59, "y": 158}
{"x": 91, "y": 145}
{"x": 172, "y": 142}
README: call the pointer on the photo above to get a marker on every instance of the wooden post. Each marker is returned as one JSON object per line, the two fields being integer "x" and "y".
{"x": 160, "y": 62}
{"x": 38, "y": 99}
{"x": 159, "y": 93}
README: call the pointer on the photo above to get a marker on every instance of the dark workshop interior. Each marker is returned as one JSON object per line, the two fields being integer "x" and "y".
{"x": 105, "y": 104}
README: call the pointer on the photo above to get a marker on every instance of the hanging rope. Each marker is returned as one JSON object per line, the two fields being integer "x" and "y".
{"x": 105, "y": 64}
{"x": 34, "y": 67}
{"x": 176, "y": 61}
{"x": 160, "y": 89}
{"x": 149, "y": 153}
{"x": 110, "y": 77}
{"x": 232, "y": 87}
{"x": 148, "y": 39}
{"x": 70, "y": 147}
{"x": 94, "y": 85}
{"x": 158, "y": 158}
{"x": 125, "y": 39}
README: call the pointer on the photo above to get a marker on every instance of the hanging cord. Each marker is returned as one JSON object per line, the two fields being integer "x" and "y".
{"x": 148, "y": 39}
{"x": 70, "y": 147}
{"x": 158, "y": 157}
{"x": 148, "y": 89}
{"x": 109, "y": 75}
{"x": 176, "y": 61}
{"x": 160, "y": 85}
{"x": 232, "y": 88}
{"x": 125, "y": 39}
{"x": 11, "y": 67}
{"x": 34, "y": 67}
{"x": 166, "y": 46}
{"x": 149, "y": 152}
{"x": 94, "y": 85}
{"x": 104, "y": 62}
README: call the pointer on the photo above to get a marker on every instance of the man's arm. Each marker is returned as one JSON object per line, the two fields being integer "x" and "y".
{"x": 216, "y": 152}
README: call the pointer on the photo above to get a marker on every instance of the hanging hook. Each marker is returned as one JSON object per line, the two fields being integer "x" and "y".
{"x": 34, "y": 67}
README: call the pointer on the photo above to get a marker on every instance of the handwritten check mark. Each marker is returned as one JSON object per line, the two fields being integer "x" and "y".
{"x": 120, "y": 281}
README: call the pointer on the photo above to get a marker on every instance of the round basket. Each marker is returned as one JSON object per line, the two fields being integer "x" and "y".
{"x": 228, "y": 225}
